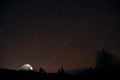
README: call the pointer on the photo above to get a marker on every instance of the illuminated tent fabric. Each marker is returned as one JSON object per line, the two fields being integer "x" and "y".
{"x": 26, "y": 67}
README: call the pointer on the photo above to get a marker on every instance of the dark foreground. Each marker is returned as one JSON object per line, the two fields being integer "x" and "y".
{"x": 90, "y": 74}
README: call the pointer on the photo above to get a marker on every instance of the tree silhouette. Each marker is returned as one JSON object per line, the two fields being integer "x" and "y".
{"x": 61, "y": 70}
{"x": 106, "y": 60}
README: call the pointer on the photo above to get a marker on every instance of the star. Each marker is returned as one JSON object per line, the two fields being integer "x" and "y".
{"x": 1, "y": 30}
{"x": 106, "y": 18}
{"x": 18, "y": 9}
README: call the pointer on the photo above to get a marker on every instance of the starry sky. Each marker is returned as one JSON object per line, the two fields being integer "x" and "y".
{"x": 54, "y": 33}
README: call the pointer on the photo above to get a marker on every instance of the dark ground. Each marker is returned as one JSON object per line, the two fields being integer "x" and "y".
{"x": 89, "y": 74}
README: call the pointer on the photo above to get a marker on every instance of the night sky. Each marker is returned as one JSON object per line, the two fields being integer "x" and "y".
{"x": 54, "y": 33}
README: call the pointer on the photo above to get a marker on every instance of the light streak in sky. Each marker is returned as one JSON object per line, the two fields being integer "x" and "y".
{"x": 58, "y": 52}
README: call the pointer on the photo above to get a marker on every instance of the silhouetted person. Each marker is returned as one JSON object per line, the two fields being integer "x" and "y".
{"x": 41, "y": 70}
